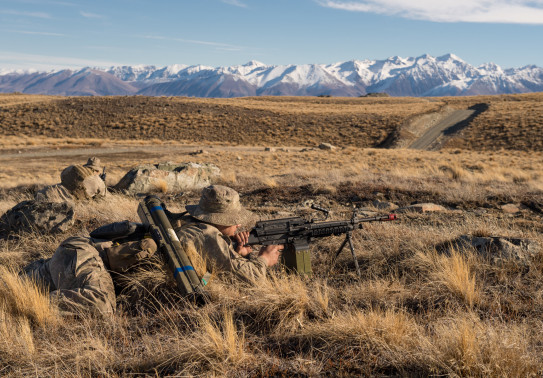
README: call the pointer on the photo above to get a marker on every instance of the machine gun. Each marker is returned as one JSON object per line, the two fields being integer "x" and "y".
{"x": 296, "y": 233}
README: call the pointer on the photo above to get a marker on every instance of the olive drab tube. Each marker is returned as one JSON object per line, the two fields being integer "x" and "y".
{"x": 152, "y": 213}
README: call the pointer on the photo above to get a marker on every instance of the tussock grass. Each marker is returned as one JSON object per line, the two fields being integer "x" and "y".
{"x": 453, "y": 272}
{"x": 161, "y": 186}
{"x": 16, "y": 339}
{"x": 471, "y": 347}
{"x": 20, "y": 297}
{"x": 416, "y": 310}
{"x": 278, "y": 304}
{"x": 111, "y": 208}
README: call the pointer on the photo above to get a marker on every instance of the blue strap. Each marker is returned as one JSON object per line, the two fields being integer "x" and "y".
{"x": 182, "y": 269}
{"x": 156, "y": 208}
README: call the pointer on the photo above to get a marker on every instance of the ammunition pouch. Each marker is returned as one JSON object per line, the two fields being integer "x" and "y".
{"x": 296, "y": 258}
{"x": 120, "y": 257}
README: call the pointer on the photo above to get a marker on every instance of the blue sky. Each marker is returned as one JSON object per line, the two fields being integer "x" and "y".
{"x": 64, "y": 33}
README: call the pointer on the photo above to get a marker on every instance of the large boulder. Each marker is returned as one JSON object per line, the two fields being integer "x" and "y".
{"x": 168, "y": 177}
{"x": 496, "y": 248}
{"x": 38, "y": 216}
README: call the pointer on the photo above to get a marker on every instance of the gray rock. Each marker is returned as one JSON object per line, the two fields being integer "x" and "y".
{"x": 384, "y": 205}
{"x": 168, "y": 177}
{"x": 327, "y": 146}
{"x": 38, "y": 216}
{"x": 510, "y": 208}
{"x": 497, "y": 248}
{"x": 198, "y": 152}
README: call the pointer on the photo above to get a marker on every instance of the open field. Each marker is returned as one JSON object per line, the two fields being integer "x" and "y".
{"x": 416, "y": 311}
{"x": 505, "y": 122}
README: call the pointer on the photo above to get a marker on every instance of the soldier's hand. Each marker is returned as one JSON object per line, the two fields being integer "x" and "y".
{"x": 241, "y": 239}
{"x": 271, "y": 253}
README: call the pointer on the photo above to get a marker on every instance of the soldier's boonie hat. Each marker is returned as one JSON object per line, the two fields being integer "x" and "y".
{"x": 220, "y": 205}
{"x": 94, "y": 163}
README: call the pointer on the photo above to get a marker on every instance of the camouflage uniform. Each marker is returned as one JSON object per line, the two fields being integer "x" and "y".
{"x": 219, "y": 205}
{"x": 52, "y": 209}
{"x": 218, "y": 251}
{"x": 82, "y": 182}
{"x": 77, "y": 275}
{"x": 77, "y": 182}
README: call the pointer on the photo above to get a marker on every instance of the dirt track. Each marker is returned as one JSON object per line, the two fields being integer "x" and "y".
{"x": 124, "y": 150}
{"x": 433, "y": 133}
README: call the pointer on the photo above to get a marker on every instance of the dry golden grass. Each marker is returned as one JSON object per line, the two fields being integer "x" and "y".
{"x": 511, "y": 122}
{"x": 416, "y": 310}
{"x": 454, "y": 272}
{"x": 22, "y": 298}
{"x": 16, "y": 340}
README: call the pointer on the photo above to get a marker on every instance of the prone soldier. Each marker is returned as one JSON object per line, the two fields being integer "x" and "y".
{"x": 209, "y": 227}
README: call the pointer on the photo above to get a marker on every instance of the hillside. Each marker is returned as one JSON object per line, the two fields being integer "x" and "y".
{"x": 424, "y": 304}
{"x": 507, "y": 121}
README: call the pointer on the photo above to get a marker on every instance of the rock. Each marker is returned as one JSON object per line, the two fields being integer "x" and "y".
{"x": 198, "y": 152}
{"x": 168, "y": 177}
{"x": 38, "y": 216}
{"x": 327, "y": 146}
{"x": 496, "y": 248}
{"x": 269, "y": 149}
{"x": 422, "y": 208}
{"x": 379, "y": 195}
{"x": 384, "y": 205}
{"x": 510, "y": 208}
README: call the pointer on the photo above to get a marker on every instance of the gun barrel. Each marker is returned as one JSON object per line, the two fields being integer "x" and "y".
{"x": 382, "y": 218}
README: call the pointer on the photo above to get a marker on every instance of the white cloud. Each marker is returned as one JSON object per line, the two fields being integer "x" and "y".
{"x": 14, "y": 60}
{"x": 223, "y": 46}
{"x": 35, "y": 33}
{"x": 26, "y": 14}
{"x": 236, "y": 3}
{"x": 482, "y": 11}
{"x": 46, "y": 2}
{"x": 91, "y": 15}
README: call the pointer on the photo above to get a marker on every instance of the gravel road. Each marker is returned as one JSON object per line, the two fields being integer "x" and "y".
{"x": 431, "y": 135}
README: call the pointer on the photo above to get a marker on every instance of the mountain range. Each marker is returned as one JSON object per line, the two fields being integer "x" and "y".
{"x": 447, "y": 75}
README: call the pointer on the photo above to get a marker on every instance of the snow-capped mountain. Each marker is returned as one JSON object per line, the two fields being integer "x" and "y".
{"x": 447, "y": 75}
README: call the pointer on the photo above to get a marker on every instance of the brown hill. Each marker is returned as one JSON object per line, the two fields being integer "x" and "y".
{"x": 509, "y": 121}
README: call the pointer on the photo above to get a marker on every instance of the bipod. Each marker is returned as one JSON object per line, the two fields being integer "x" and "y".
{"x": 348, "y": 239}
